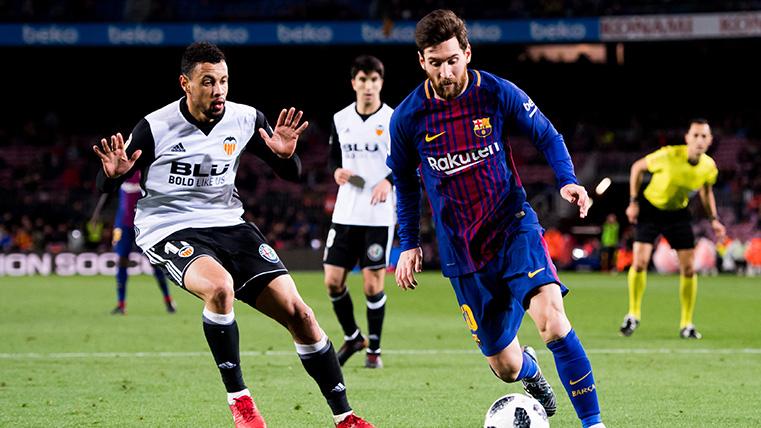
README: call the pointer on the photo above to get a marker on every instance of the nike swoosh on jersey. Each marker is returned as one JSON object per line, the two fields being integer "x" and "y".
{"x": 429, "y": 138}
{"x": 572, "y": 383}
{"x": 453, "y": 171}
{"x": 533, "y": 274}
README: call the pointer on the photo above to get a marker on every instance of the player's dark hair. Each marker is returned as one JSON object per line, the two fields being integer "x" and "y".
{"x": 200, "y": 52}
{"x": 368, "y": 64}
{"x": 698, "y": 120}
{"x": 440, "y": 26}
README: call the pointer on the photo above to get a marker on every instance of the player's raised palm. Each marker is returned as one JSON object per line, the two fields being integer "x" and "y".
{"x": 113, "y": 156}
{"x": 286, "y": 133}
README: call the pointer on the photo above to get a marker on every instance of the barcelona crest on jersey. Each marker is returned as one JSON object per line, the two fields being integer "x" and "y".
{"x": 482, "y": 127}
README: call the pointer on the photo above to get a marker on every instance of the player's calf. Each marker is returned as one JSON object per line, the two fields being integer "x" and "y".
{"x": 319, "y": 360}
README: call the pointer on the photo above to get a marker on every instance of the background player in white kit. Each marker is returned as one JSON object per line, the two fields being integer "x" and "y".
{"x": 363, "y": 218}
{"x": 189, "y": 222}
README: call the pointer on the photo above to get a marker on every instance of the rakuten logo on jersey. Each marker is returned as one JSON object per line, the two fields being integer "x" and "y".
{"x": 454, "y": 163}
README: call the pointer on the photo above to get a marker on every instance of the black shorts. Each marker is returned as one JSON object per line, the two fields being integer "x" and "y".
{"x": 675, "y": 226}
{"x": 346, "y": 245}
{"x": 241, "y": 249}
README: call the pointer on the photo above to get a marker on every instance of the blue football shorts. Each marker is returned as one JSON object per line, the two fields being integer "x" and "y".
{"x": 494, "y": 299}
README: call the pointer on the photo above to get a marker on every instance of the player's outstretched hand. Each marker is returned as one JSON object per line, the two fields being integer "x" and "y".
{"x": 113, "y": 156}
{"x": 577, "y": 195}
{"x": 410, "y": 261}
{"x": 286, "y": 133}
{"x": 380, "y": 192}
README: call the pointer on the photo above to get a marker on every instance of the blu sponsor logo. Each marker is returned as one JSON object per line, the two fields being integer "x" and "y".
{"x": 196, "y": 174}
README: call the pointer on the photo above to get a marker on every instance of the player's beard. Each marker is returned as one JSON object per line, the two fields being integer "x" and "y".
{"x": 450, "y": 92}
{"x": 214, "y": 114}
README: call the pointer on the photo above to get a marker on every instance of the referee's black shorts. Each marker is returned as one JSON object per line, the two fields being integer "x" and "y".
{"x": 675, "y": 226}
{"x": 241, "y": 249}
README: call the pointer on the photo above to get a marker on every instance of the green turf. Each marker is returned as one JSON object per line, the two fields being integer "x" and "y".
{"x": 65, "y": 362}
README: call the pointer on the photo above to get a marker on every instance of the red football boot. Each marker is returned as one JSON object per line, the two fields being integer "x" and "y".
{"x": 245, "y": 413}
{"x": 354, "y": 421}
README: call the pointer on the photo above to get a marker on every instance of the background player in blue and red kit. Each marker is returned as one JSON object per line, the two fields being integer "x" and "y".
{"x": 452, "y": 130}
{"x": 124, "y": 241}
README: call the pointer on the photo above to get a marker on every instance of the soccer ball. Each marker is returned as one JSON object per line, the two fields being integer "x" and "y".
{"x": 516, "y": 411}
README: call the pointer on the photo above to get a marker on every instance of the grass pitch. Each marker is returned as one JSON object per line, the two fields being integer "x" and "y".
{"x": 65, "y": 362}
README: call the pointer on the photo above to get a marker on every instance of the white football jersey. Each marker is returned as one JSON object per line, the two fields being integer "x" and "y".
{"x": 189, "y": 169}
{"x": 364, "y": 147}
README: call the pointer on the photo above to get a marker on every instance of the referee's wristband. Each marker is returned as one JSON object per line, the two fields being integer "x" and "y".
{"x": 633, "y": 199}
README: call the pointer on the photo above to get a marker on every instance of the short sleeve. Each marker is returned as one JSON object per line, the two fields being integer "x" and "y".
{"x": 657, "y": 160}
{"x": 712, "y": 176}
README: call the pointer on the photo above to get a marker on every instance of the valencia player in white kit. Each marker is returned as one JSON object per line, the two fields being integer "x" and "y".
{"x": 363, "y": 218}
{"x": 189, "y": 221}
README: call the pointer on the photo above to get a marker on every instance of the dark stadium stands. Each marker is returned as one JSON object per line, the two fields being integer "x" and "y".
{"x": 264, "y": 10}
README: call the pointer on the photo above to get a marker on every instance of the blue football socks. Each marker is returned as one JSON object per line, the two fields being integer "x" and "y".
{"x": 121, "y": 284}
{"x": 575, "y": 372}
{"x": 529, "y": 368}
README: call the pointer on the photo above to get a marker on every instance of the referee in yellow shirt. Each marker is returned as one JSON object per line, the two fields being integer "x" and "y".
{"x": 677, "y": 172}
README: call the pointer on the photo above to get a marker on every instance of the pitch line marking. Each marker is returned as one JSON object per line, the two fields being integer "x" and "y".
{"x": 600, "y": 351}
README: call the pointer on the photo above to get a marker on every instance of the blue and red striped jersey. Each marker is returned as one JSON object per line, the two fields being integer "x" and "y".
{"x": 129, "y": 193}
{"x": 461, "y": 150}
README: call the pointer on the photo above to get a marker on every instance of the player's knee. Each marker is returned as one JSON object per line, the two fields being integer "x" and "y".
{"x": 640, "y": 265}
{"x": 335, "y": 287}
{"x": 687, "y": 270}
{"x": 221, "y": 292}
{"x": 302, "y": 316}
{"x": 372, "y": 288}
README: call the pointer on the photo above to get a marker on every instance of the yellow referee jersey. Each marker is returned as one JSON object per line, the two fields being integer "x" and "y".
{"x": 674, "y": 178}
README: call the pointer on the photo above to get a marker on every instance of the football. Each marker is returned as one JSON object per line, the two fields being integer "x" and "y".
{"x": 516, "y": 411}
